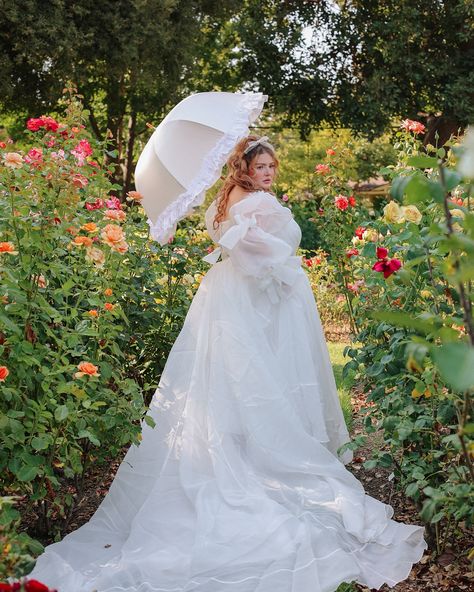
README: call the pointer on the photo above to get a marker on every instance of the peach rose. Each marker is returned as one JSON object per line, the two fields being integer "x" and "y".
{"x": 112, "y": 235}
{"x": 39, "y": 280}
{"x": 8, "y": 247}
{"x": 13, "y": 160}
{"x": 4, "y": 372}
{"x": 135, "y": 195}
{"x": 108, "y": 291}
{"x": 93, "y": 313}
{"x": 118, "y": 215}
{"x": 86, "y": 369}
{"x": 96, "y": 256}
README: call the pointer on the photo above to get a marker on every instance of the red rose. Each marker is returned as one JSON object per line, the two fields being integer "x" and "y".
{"x": 352, "y": 201}
{"x": 34, "y": 124}
{"x": 387, "y": 267}
{"x": 35, "y": 586}
{"x": 381, "y": 252}
{"x": 359, "y": 231}
{"x": 49, "y": 123}
{"x": 341, "y": 202}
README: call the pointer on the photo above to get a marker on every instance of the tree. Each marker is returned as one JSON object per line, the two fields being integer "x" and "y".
{"x": 366, "y": 61}
{"x": 127, "y": 58}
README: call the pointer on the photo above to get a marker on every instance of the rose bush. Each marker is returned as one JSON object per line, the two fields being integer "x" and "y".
{"x": 409, "y": 279}
{"x": 89, "y": 308}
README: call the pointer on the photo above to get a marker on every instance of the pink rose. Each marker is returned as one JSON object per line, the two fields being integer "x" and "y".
{"x": 113, "y": 203}
{"x": 96, "y": 205}
{"x": 412, "y": 126}
{"x": 322, "y": 169}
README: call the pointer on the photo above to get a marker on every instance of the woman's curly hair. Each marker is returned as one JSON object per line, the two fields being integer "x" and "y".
{"x": 238, "y": 165}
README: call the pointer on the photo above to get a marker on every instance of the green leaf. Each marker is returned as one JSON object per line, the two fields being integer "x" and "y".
{"x": 455, "y": 362}
{"x": 423, "y": 162}
{"x": 416, "y": 189}
{"x": 398, "y": 187}
{"x": 90, "y": 436}
{"x": 39, "y": 442}
{"x": 451, "y": 179}
{"x": 61, "y": 413}
{"x": 403, "y": 319}
{"x": 27, "y": 473}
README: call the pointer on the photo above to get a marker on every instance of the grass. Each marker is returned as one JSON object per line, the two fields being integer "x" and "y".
{"x": 343, "y": 385}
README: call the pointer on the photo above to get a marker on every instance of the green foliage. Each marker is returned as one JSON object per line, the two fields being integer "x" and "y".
{"x": 18, "y": 549}
{"x": 89, "y": 308}
{"x": 415, "y": 330}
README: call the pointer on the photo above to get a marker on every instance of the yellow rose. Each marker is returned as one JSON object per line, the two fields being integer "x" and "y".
{"x": 371, "y": 235}
{"x": 392, "y": 212}
{"x": 458, "y": 214}
{"x": 411, "y": 214}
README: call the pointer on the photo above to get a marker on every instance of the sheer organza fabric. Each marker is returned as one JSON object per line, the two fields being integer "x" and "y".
{"x": 239, "y": 487}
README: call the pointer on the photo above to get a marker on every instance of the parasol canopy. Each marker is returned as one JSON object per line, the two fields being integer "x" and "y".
{"x": 186, "y": 153}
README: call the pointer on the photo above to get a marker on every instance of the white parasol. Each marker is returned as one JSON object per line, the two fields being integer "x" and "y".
{"x": 186, "y": 153}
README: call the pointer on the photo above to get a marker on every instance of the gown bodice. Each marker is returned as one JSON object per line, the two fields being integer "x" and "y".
{"x": 286, "y": 229}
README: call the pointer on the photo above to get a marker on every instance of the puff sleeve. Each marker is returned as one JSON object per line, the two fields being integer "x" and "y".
{"x": 254, "y": 248}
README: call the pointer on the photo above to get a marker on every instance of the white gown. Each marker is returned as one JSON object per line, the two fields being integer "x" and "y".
{"x": 238, "y": 488}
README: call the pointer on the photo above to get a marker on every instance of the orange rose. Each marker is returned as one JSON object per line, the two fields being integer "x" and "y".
{"x": 135, "y": 195}
{"x": 108, "y": 291}
{"x": 8, "y": 247}
{"x": 82, "y": 241}
{"x": 89, "y": 227}
{"x": 4, "y": 372}
{"x": 109, "y": 306}
{"x": 93, "y": 313}
{"x": 72, "y": 230}
{"x": 86, "y": 369}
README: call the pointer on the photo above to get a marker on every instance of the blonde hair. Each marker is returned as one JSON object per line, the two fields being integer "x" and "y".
{"x": 238, "y": 167}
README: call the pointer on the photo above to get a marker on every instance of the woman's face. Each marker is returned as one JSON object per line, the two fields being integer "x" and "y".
{"x": 262, "y": 169}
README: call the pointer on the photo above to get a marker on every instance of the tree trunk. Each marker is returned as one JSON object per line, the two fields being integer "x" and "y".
{"x": 129, "y": 155}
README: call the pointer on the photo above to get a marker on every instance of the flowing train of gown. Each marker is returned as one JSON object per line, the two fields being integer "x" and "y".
{"x": 239, "y": 487}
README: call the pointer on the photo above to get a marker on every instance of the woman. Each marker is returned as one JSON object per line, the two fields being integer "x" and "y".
{"x": 239, "y": 487}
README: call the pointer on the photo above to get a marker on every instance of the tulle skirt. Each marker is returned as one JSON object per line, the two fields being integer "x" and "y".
{"x": 239, "y": 487}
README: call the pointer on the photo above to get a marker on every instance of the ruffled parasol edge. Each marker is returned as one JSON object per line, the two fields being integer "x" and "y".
{"x": 165, "y": 226}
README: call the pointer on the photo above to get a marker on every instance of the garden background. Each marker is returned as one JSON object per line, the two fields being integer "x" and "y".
{"x": 368, "y": 104}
